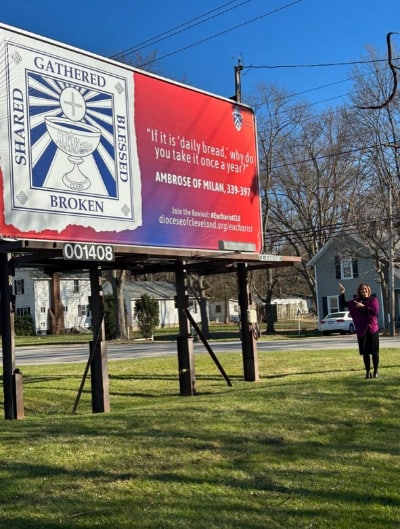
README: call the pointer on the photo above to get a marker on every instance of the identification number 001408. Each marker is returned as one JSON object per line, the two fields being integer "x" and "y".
{"x": 88, "y": 252}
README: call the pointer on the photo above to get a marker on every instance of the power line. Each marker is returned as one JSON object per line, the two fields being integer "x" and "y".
{"x": 196, "y": 21}
{"x": 305, "y": 105}
{"x": 257, "y": 106}
{"x": 323, "y": 157}
{"x": 348, "y": 79}
{"x": 312, "y": 89}
{"x": 276, "y": 236}
{"x": 320, "y": 65}
{"x": 201, "y": 41}
{"x": 214, "y": 13}
{"x": 201, "y": 18}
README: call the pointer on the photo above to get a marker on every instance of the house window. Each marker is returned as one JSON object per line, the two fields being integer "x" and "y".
{"x": 42, "y": 309}
{"x": 65, "y": 308}
{"x": 83, "y": 310}
{"x": 218, "y": 309}
{"x": 19, "y": 286}
{"x": 76, "y": 286}
{"x": 333, "y": 303}
{"x": 23, "y": 311}
{"x": 346, "y": 267}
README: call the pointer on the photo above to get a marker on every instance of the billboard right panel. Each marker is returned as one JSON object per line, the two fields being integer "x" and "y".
{"x": 198, "y": 162}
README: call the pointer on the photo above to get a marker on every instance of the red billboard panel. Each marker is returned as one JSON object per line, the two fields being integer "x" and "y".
{"x": 95, "y": 151}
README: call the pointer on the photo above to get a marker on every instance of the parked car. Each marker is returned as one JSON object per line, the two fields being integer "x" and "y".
{"x": 340, "y": 322}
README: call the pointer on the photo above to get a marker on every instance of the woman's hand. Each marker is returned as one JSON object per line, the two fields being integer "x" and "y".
{"x": 342, "y": 290}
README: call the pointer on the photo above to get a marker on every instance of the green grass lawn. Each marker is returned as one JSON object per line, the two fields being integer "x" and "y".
{"x": 311, "y": 445}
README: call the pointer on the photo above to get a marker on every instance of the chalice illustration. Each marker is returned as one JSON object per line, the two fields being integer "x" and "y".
{"x": 74, "y": 137}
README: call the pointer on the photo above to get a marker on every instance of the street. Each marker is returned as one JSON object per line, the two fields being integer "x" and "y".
{"x": 53, "y": 354}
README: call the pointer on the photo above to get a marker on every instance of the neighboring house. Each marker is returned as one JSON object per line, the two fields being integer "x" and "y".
{"x": 286, "y": 308}
{"x": 31, "y": 289}
{"x": 164, "y": 292}
{"x": 290, "y": 308}
{"x": 74, "y": 293}
{"x": 60, "y": 301}
{"x": 345, "y": 259}
{"x": 225, "y": 311}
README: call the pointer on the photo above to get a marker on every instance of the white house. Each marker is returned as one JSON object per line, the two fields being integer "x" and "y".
{"x": 225, "y": 311}
{"x": 290, "y": 308}
{"x": 32, "y": 296}
{"x": 62, "y": 299}
{"x": 74, "y": 293}
{"x": 163, "y": 292}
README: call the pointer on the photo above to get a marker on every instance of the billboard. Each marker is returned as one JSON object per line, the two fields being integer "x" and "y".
{"x": 96, "y": 151}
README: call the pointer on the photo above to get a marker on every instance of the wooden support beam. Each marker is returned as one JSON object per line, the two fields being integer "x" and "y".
{"x": 248, "y": 330}
{"x": 98, "y": 347}
{"x": 187, "y": 379}
{"x": 12, "y": 378}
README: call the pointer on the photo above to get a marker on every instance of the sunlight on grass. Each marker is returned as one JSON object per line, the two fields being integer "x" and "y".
{"x": 308, "y": 446}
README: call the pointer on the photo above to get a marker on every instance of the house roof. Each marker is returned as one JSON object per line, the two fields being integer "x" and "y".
{"x": 314, "y": 260}
{"x": 327, "y": 246}
{"x": 155, "y": 289}
{"x": 37, "y": 274}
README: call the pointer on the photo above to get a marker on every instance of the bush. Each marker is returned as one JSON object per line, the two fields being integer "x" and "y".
{"x": 23, "y": 325}
{"x": 147, "y": 315}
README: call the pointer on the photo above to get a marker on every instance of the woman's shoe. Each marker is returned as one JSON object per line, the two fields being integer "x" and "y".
{"x": 376, "y": 373}
{"x": 368, "y": 374}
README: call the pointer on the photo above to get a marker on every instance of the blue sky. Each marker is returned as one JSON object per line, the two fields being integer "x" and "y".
{"x": 258, "y": 32}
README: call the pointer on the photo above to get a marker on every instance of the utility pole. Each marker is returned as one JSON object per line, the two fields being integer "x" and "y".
{"x": 238, "y": 82}
{"x": 392, "y": 292}
{"x": 392, "y": 314}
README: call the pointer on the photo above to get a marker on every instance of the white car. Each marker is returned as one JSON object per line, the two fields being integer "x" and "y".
{"x": 337, "y": 322}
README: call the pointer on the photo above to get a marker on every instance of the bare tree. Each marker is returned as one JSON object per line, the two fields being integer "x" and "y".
{"x": 377, "y": 133}
{"x": 117, "y": 279}
{"x": 309, "y": 177}
{"x": 199, "y": 287}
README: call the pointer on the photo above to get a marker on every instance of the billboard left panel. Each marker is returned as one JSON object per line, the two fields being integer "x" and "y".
{"x": 67, "y": 142}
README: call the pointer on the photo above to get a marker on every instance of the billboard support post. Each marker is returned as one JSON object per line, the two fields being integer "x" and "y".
{"x": 187, "y": 380}
{"x": 13, "y": 399}
{"x": 98, "y": 347}
{"x": 249, "y": 331}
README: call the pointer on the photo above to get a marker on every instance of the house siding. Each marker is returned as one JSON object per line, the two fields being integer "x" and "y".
{"x": 73, "y": 300}
{"x": 222, "y": 311}
{"x": 37, "y": 296}
{"x": 41, "y": 289}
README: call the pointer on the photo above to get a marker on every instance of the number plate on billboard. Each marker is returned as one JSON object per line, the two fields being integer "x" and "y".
{"x": 88, "y": 252}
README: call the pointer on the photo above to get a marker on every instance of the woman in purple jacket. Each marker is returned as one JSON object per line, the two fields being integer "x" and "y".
{"x": 364, "y": 310}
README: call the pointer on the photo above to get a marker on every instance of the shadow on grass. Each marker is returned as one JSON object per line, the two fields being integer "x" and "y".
{"x": 234, "y": 335}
